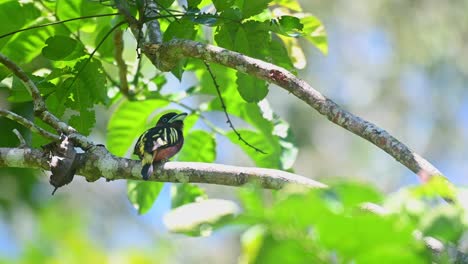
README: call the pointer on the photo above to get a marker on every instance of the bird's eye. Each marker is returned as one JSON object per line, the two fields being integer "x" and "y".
{"x": 164, "y": 120}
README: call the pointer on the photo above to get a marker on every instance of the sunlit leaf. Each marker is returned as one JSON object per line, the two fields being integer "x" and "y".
{"x": 250, "y": 88}
{"x": 28, "y": 12}
{"x": 436, "y": 186}
{"x": 444, "y": 223}
{"x": 142, "y": 194}
{"x": 184, "y": 193}
{"x": 128, "y": 122}
{"x": 314, "y": 32}
{"x": 198, "y": 146}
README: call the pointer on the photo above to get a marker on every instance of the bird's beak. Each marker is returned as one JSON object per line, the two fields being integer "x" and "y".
{"x": 179, "y": 117}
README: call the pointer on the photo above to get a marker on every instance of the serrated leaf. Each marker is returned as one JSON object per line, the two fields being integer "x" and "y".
{"x": 84, "y": 121}
{"x": 259, "y": 116}
{"x": 62, "y": 48}
{"x": 182, "y": 29}
{"x": 352, "y": 194}
{"x": 25, "y": 46}
{"x": 290, "y": 4}
{"x": 128, "y": 122}
{"x": 199, "y": 146}
{"x": 142, "y": 194}
{"x": 91, "y": 81}
{"x": 19, "y": 93}
{"x": 250, "y": 88}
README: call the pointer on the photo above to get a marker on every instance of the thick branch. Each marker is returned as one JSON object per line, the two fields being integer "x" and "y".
{"x": 165, "y": 56}
{"x": 98, "y": 163}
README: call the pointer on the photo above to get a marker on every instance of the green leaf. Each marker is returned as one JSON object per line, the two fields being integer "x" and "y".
{"x": 290, "y": 4}
{"x": 106, "y": 50}
{"x": 184, "y": 193}
{"x": 250, "y": 88}
{"x": 182, "y": 29}
{"x": 128, "y": 122}
{"x": 436, "y": 186}
{"x": 252, "y": 241}
{"x": 200, "y": 218}
{"x": 314, "y": 32}
{"x": 250, "y": 8}
{"x": 84, "y": 121}
{"x": 193, "y": 3}
{"x": 62, "y": 48}
{"x": 91, "y": 81}
{"x": 444, "y": 222}
{"x": 12, "y": 8}
{"x": 222, "y": 5}
{"x": 142, "y": 194}
{"x": 78, "y": 8}
{"x": 199, "y": 146}
{"x": 268, "y": 160}
{"x": 353, "y": 194}
{"x": 288, "y": 26}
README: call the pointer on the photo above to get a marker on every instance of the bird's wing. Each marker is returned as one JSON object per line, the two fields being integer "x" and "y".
{"x": 165, "y": 137}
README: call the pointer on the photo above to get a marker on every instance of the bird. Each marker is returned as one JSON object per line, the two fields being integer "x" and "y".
{"x": 161, "y": 142}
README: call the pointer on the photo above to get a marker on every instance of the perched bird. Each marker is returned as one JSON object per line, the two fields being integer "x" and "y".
{"x": 161, "y": 142}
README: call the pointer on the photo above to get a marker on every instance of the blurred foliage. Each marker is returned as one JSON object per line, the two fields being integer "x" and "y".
{"x": 342, "y": 224}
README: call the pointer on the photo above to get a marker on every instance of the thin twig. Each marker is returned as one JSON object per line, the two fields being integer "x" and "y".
{"x": 119, "y": 48}
{"x": 223, "y": 105}
{"x": 40, "y": 109}
{"x": 20, "y": 138}
{"x": 56, "y": 23}
{"x": 28, "y": 124}
{"x": 137, "y": 74}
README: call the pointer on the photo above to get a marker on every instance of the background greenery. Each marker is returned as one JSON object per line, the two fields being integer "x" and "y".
{"x": 397, "y": 63}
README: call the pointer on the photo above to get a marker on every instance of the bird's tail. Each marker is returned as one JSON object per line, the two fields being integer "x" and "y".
{"x": 147, "y": 171}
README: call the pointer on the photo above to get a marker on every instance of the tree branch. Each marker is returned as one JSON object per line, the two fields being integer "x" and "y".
{"x": 166, "y": 55}
{"x": 119, "y": 48}
{"x": 98, "y": 163}
{"x": 28, "y": 124}
{"x": 40, "y": 109}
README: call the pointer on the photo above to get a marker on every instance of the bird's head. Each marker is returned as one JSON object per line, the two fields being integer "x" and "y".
{"x": 172, "y": 119}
